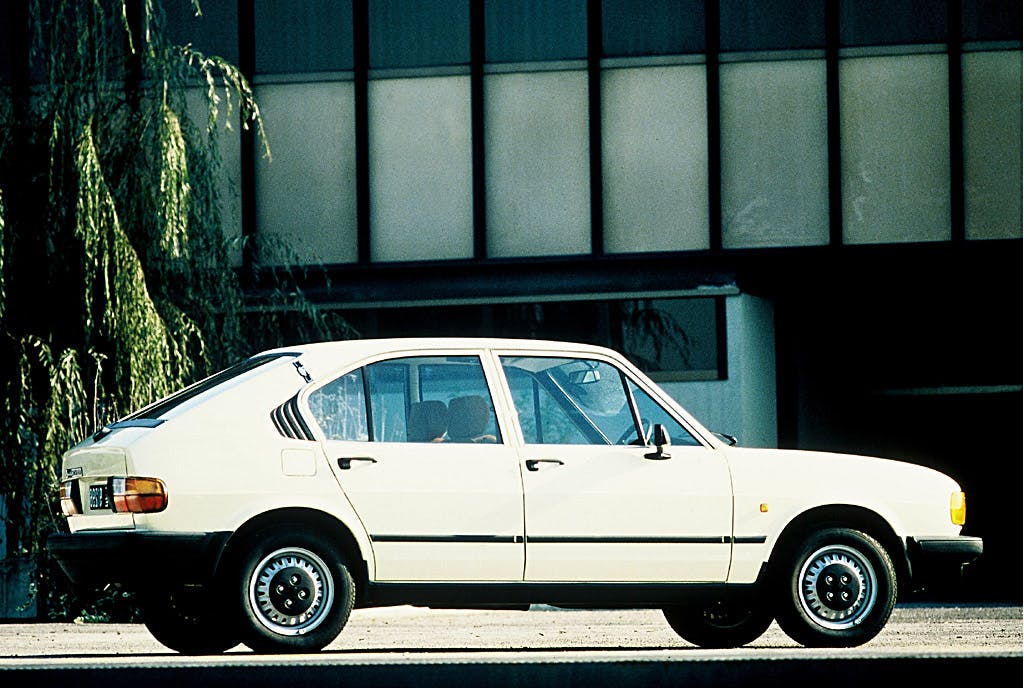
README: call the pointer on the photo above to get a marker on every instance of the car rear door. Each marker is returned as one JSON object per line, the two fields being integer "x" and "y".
{"x": 418, "y": 449}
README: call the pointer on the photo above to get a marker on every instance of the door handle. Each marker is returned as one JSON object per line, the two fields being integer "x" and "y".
{"x": 533, "y": 464}
{"x": 345, "y": 462}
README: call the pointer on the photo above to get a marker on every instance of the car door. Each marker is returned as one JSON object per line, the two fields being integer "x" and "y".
{"x": 601, "y": 505}
{"x": 416, "y": 446}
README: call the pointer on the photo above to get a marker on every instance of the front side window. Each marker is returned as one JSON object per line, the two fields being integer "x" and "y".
{"x": 581, "y": 401}
{"x": 414, "y": 399}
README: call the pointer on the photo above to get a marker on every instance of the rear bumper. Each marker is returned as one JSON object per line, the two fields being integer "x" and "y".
{"x": 940, "y": 561}
{"x": 137, "y": 559}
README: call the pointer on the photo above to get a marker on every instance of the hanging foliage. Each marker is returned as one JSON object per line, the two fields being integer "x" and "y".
{"x": 116, "y": 280}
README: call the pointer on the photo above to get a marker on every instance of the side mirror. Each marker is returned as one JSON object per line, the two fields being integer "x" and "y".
{"x": 661, "y": 439}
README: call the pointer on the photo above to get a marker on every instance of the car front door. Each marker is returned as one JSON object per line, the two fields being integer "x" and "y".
{"x": 415, "y": 444}
{"x": 600, "y": 504}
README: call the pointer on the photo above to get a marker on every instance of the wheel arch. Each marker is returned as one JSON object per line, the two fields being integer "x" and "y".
{"x": 843, "y": 516}
{"x": 309, "y": 520}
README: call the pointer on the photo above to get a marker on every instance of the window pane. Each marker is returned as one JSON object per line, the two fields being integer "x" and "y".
{"x": 538, "y": 168}
{"x": 991, "y": 20}
{"x": 214, "y": 32}
{"x": 311, "y": 36}
{"x": 540, "y": 418}
{"x": 416, "y": 33}
{"x": 421, "y": 185}
{"x": 305, "y": 195}
{"x": 895, "y": 148}
{"x": 652, "y": 27}
{"x": 671, "y": 339}
{"x": 588, "y": 403}
{"x": 528, "y": 30}
{"x": 774, "y": 154}
{"x": 431, "y": 399}
{"x": 652, "y": 413}
{"x": 655, "y": 159}
{"x": 892, "y": 22}
{"x": 340, "y": 408}
{"x": 992, "y": 144}
{"x": 772, "y": 24}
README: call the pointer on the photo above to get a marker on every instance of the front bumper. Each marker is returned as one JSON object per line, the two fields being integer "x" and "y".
{"x": 940, "y": 561}
{"x": 137, "y": 559}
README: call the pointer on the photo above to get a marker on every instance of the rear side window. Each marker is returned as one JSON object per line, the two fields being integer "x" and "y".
{"x": 413, "y": 399}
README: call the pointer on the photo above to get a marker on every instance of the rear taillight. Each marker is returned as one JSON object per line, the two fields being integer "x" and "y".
{"x": 138, "y": 495}
{"x": 70, "y": 499}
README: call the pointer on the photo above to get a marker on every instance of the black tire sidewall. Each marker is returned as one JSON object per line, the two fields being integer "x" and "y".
{"x": 262, "y": 639}
{"x": 803, "y": 628}
{"x": 188, "y": 621}
{"x": 690, "y": 624}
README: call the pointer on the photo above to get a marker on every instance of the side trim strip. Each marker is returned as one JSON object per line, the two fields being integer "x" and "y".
{"x": 547, "y": 540}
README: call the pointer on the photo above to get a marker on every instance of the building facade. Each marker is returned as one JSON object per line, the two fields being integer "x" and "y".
{"x": 803, "y": 217}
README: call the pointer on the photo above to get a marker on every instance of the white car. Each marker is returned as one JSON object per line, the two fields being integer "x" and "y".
{"x": 263, "y": 503}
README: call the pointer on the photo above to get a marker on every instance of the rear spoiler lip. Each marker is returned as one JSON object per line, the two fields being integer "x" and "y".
{"x": 128, "y": 423}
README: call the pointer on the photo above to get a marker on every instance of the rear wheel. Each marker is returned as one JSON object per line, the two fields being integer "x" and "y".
{"x": 192, "y": 621}
{"x": 295, "y": 593}
{"x": 837, "y": 589}
{"x": 719, "y": 624}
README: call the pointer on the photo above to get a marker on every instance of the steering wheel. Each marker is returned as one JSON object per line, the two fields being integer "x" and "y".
{"x": 647, "y": 426}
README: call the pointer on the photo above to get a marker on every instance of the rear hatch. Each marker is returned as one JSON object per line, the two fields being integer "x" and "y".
{"x": 86, "y": 488}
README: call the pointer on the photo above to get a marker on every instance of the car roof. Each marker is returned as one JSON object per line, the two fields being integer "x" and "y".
{"x": 369, "y": 347}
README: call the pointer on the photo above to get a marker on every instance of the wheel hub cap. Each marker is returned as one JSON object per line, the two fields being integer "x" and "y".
{"x": 291, "y": 591}
{"x": 837, "y": 587}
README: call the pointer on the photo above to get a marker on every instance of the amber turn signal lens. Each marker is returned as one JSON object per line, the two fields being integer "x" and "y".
{"x": 138, "y": 495}
{"x": 958, "y": 508}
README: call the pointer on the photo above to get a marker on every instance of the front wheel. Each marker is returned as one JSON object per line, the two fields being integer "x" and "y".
{"x": 719, "y": 624}
{"x": 836, "y": 590}
{"x": 295, "y": 592}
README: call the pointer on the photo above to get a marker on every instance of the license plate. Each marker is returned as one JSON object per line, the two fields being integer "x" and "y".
{"x": 99, "y": 497}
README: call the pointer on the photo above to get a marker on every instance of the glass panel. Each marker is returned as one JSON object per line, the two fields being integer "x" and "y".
{"x": 538, "y": 166}
{"x": 414, "y": 33}
{"x": 653, "y": 27}
{"x": 655, "y": 159}
{"x": 311, "y": 36}
{"x": 991, "y": 20}
{"x": 340, "y": 408}
{"x": 305, "y": 195}
{"x": 671, "y": 339}
{"x": 587, "y": 404}
{"x": 421, "y": 186}
{"x": 992, "y": 144}
{"x": 527, "y": 30}
{"x": 431, "y": 399}
{"x": 774, "y": 154}
{"x": 652, "y": 413}
{"x": 540, "y": 418}
{"x": 895, "y": 148}
{"x": 772, "y": 24}
{"x": 892, "y": 22}
{"x": 214, "y": 32}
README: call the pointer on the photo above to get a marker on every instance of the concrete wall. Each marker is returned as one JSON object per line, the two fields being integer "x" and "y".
{"x": 744, "y": 404}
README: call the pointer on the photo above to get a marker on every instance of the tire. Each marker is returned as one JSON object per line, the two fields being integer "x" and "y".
{"x": 719, "y": 624}
{"x": 836, "y": 589}
{"x": 192, "y": 621}
{"x": 295, "y": 593}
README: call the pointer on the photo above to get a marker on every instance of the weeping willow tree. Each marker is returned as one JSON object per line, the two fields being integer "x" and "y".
{"x": 116, "y": 285}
